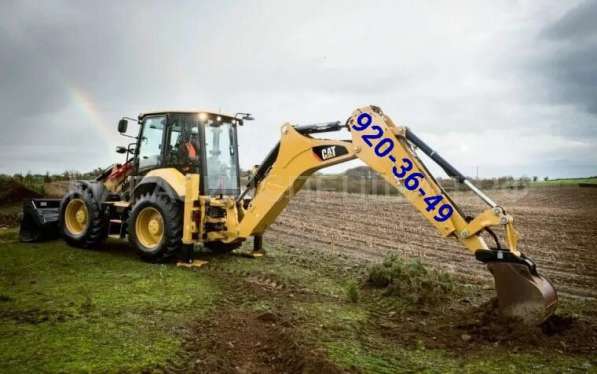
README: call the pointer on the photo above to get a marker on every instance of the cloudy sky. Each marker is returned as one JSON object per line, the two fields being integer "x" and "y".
{"x": 508, "y": 86}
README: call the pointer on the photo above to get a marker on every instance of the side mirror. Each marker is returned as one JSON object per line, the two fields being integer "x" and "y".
{"x": 122, "y": 125}
{"x": 120, "y": 149}
{"x": 244, "y": 117}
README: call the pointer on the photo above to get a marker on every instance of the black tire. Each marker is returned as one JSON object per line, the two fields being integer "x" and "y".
{"x": 171, "y": 241}
{"x": 220, "y": 247}
{"x": 95, "y": 231}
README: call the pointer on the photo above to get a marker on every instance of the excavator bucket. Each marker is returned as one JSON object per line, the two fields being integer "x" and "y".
{"x": 39, "y": 220}
{"x": 523, "y": 293}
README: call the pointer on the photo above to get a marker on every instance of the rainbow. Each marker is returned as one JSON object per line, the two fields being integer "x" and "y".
{"x": 86, "y": 105}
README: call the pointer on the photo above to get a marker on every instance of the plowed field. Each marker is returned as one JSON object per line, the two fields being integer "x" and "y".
{"x": 558, "y": 228}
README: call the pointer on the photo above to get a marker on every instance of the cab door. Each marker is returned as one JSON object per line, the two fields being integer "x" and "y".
{"x": 150, "y": 149}
{"x": 183, "y": 145}
{"x": 221, "y": 169}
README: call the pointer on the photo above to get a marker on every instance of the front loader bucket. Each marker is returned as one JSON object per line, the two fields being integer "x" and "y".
{"x": 39, "y": 220}
{"x": 522, "y": 294}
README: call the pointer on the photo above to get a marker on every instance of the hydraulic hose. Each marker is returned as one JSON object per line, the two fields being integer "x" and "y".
{"x": 447, "y": 167}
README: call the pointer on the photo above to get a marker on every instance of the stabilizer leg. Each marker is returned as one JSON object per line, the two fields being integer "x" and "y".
{"x": 187, "y": 260}
{"x": 257, "y": 247}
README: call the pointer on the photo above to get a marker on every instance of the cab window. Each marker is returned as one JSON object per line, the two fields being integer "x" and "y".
{"x": 151, "y": 142}
{"x": 184, "y": 145}
{"x": 222, "y": 166}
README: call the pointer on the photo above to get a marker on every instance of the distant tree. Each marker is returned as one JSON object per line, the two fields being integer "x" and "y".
{"x": 71, "y": 175}
{"x": 47, "y": 178}
{"x": 524, "y": 181}
{"x": 486, "y": 184}
{"x": 28, "y": 181}
{"x": 359, "y": 171}
{"x": 505, "y": 181}
{"x": 535, "y": 178}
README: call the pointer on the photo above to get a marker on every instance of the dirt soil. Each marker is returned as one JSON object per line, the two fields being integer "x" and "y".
{"x": 236, "y": 340}
{"x": 460, "y": 326}
{"x": 558, "y": 228}
{"x": 13, "y": 192}
{"x": 56, "y": 189}
{"x": 11, "y": 196}
{"x": 251, "y": 343}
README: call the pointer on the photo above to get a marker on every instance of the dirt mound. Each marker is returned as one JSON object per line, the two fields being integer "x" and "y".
{"x": 248, "y": 343}
{"x": 465, "y": 329}
{"x": 565, "y": 333}
{"x": 14, "y": 192}
{"x": 56, "y": 189}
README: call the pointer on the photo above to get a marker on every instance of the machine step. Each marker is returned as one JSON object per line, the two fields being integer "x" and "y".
{"x": 117, "y": 228}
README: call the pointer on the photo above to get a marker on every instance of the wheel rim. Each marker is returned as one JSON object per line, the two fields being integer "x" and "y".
{"x": 149, "y": 227}
{"x": 76, "y": 216}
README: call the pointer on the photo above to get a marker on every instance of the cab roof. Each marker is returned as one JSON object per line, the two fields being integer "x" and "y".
{"x": 194, "y": 111}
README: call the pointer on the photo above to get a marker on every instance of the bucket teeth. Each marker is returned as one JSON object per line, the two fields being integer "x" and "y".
{"x": 522, "y": 294}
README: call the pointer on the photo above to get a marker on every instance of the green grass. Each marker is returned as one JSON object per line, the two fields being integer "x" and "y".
{"x": 71, "y": 310}
{"x": 13, "y": 208}
{"x": 565, "y": 182}
{"x": 352, "y": 354}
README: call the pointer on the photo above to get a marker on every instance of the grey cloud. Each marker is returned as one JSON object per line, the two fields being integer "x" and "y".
{"x": 570, "y": 61}
{"x": 577, "y": 23}
{"x": 29, "y": 86}
{"x": 447, "y": 71}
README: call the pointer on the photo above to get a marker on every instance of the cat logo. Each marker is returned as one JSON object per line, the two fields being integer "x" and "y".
{"x": 327, "y": 152}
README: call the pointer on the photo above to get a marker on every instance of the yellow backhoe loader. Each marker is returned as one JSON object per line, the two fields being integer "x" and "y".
{"x": 180, "y": 186}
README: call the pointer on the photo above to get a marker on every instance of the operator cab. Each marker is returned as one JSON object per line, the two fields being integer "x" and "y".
{"x": 198, "y": 142}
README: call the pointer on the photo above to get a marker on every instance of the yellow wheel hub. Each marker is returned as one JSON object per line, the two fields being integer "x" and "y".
{"x": 76, "y": 216}
{"x": 149, "y": 227}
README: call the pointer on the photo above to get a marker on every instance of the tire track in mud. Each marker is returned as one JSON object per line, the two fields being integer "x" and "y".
{"x": 558, "y": 229}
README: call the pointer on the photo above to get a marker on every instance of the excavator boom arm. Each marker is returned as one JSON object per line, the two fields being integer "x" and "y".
{"x": 390, "y": 151}
{"x": 384, "y": 147}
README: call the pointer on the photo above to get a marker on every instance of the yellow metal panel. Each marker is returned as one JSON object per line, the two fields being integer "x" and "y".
{"x": 175, "y": 179}
{"x": 191, "y": 195}
{"x": 296, "y": 161}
